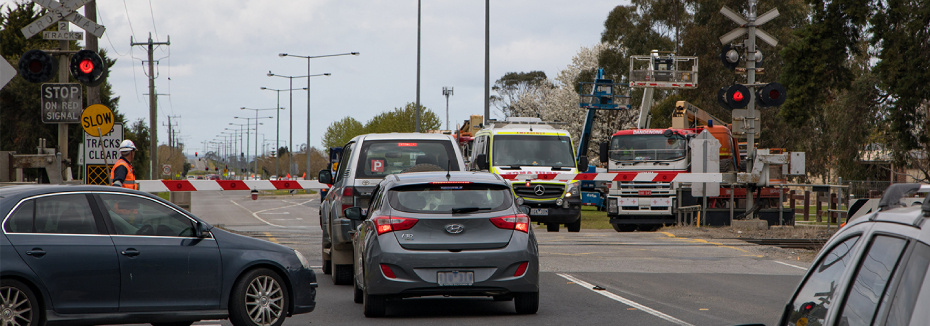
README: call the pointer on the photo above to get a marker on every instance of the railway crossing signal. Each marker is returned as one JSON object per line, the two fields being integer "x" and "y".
{"x": 37, "y": 66}
{"x": 772, "y": 94}
{"x": 88, "y": 68}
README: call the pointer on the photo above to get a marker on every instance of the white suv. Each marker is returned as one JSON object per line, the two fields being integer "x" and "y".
{"x": 873, "y": 271}
{"x": 366, "y": 160}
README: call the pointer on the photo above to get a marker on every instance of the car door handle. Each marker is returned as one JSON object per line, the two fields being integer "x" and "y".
{"x": 36, "y": 252}
{"x": 131, "y": 252}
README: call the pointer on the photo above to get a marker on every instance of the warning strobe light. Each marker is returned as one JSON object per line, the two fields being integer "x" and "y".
{"x": 36, "y": 66}
{"x": 772, "y": 94}
{"x": 88, "y": 68}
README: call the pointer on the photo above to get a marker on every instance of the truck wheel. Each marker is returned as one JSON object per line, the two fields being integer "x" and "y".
{"x": 552, "y": 227}
{"x": 574, "y": 226}
{"x": 342, "y": 274}
{"x": 624, "y": 227}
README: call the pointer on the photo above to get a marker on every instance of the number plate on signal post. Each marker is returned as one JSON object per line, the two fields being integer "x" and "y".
{"x": 455, "y": 278}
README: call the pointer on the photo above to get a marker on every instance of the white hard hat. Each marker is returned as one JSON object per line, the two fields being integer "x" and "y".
{"x": 126, "y": 146}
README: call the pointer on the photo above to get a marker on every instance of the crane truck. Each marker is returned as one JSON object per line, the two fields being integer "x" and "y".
{"x": 646, "y": 195}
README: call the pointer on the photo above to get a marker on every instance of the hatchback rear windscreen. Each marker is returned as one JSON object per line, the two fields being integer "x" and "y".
{"x": 378, "y": 158}
{"x": 451, "y": 198}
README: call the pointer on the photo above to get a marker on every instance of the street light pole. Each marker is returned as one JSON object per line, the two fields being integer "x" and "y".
{"x": 291, "y": 132}
{"x": 308, "y": 92}
{"x": 447, "y": 91}
{"x": 277, "y": 162}
{"x": 256, "y": 130}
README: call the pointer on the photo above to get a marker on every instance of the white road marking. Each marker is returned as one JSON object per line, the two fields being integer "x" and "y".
{"x": 255, "y": 214}
{"x": 787, "y": 264}
{"x": 625, "y": 301}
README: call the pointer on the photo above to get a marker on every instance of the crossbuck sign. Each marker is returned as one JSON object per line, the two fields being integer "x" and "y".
{"x": 64, "y": 10}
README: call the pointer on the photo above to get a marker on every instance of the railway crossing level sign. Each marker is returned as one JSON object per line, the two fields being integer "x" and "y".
{"x": 63, "y": 10}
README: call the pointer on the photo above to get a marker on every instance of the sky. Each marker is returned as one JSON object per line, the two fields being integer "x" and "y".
{"x": 221, "y": 52}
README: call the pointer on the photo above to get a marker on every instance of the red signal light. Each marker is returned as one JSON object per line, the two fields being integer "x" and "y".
{"x": 772, "y": 94}
{"x": 737, "y": 96}
{"x": 87, "y": 66}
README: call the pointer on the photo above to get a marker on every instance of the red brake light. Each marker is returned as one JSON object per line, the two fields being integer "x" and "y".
{"x": 386, "y": 270}
{"x": 347, "y": 197}
{"x": 520, "y": 270}
{"x": 407, "y": 144}
{"x": 385, "y": 224}
{"x": 450, "y": 182}
{"x": 519, "y": 222}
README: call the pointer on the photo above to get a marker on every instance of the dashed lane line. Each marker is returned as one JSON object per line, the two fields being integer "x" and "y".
{"x": 625, "y": 301}
{"x": 792, "y": 265}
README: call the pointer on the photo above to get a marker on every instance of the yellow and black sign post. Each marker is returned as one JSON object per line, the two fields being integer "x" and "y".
{"x": 97, "y": 121}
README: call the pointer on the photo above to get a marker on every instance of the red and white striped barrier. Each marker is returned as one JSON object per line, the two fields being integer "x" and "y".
{"x": 621, "y": 176}
{"x": 205, "y": 185}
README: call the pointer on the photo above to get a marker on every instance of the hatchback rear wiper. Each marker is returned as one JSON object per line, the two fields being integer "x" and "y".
{"x": 468, "y": 209}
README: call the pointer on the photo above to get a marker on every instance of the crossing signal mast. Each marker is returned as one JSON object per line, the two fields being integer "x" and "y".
{"x": 736, "y": 97}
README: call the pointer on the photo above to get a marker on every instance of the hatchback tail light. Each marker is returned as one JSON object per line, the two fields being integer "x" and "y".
{"x": 348, "y": 199}
{"x": 519, "y": 222}
{"x": 385, "y": 224}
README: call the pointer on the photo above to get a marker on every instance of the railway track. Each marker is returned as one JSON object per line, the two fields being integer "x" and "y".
{"x": 812, "y": 244}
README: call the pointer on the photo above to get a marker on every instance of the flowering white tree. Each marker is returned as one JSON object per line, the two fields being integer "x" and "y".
{"x": 561, "y": 103}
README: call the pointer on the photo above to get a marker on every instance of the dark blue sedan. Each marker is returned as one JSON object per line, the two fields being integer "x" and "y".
{"x": 107, "y": 255}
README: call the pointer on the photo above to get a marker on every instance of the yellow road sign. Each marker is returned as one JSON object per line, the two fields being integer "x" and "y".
{"x": 97, "y": 120}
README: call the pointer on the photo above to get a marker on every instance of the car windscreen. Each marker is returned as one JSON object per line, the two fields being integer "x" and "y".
{"x": 450, "y": 198}
{"x": 379, "y": 158}
{"x": 647, "y": 148}
{"x": 533, "y": 150}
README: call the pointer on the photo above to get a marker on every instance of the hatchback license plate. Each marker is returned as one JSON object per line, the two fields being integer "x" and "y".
{"x": 455, "y": 278}
{"x": 539, "y": 211}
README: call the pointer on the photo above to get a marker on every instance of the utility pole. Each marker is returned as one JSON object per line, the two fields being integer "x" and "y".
{"x": 153, "y": 100}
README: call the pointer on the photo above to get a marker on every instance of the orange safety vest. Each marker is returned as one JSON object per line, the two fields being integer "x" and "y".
{"x": 130, "y": 181}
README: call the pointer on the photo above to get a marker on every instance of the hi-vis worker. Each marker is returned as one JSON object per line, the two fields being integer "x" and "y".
{"x": 122, "y": 175}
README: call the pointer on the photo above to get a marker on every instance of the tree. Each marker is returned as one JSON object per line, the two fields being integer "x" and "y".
{"x": 340, "y": 132}
{"x": 138, "y": 133}
{"x": 513, "y": 87}
{"x": 403, "y": 120}
{"x": 903, "y": 71}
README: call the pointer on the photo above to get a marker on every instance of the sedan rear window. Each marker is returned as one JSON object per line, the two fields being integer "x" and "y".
{"x": 450, "y": 198}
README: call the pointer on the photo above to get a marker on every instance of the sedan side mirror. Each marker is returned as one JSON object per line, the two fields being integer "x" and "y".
{"x": 326, "y": 177}
{"x": 354, "y": 213}
{"x": 482, "y": 161}
{"x": 201, "y": 231}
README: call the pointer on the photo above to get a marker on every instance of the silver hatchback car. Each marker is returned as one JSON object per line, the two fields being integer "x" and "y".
{"x": 444, "y": 233}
